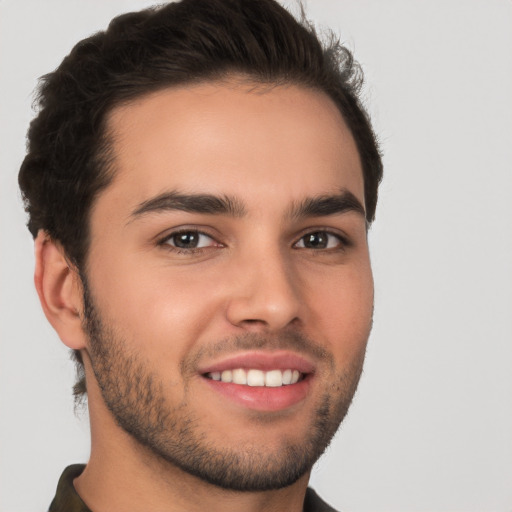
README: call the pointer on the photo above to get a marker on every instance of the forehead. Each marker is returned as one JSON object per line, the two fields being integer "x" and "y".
{"x": 257, "y": 142}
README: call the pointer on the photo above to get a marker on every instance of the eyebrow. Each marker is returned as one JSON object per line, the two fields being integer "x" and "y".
{"x": 193, "y": 203}
{"x": 324, "y": 205}
{"x": 211, "y": 204}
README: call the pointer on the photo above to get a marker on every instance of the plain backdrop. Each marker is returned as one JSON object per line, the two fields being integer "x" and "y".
{"x": 431, "y": 425}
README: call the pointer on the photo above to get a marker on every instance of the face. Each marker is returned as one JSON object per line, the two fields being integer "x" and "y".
{"x": 228, "y": 291}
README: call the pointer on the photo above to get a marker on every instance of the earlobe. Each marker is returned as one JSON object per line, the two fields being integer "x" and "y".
{"x": 59, "y": 288}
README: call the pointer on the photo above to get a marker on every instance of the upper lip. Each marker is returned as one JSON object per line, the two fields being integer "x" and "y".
{"x": 261, "y": 360}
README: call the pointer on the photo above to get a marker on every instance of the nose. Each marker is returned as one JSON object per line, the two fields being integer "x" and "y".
{"x": 266, "y": 294}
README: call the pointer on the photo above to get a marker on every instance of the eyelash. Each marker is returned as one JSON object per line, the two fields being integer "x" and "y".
{"x": 342, "y": 244}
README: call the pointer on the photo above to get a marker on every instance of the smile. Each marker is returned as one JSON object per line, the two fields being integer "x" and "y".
{"x": 257, "y": 378}
{"x": 266, "y": 381}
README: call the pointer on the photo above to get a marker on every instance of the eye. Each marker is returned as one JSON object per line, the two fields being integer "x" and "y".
{"x": 189, "y": 239}
{"x": 320, "y": 240}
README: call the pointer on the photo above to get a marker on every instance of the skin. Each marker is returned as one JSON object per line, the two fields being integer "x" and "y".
{"x": 270, "y": 149}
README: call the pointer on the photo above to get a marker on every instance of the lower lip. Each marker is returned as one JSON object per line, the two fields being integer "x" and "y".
{"x": 262, "y": 398}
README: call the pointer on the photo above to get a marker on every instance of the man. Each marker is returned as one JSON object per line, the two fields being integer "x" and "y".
{"x": 200, "y": 180}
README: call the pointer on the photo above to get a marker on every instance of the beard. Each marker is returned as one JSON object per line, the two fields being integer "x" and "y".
{"x": 142, "y": 406}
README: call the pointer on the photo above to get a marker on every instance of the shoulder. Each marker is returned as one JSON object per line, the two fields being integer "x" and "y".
{"x": 66, "y": 498}
{"x": 313, "y": 503}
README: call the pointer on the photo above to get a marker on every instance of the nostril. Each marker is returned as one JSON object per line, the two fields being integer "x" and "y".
{"x": 254, "y": 324}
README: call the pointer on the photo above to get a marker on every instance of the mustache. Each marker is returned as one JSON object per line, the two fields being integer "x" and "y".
{"x": 293, "y": 341}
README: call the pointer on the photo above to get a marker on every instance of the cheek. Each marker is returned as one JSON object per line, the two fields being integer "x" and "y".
{"x": 162, "y": 311}
{"x": 342, "y": 310}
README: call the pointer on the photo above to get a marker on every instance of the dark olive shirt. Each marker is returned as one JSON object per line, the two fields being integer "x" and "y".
{"x": 67, "y": 499}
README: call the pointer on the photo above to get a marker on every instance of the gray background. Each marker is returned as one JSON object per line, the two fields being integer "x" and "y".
{"x": 431, "y": 425}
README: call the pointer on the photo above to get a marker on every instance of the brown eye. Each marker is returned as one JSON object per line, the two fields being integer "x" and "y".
{"x": 316, "y": 240}
{"x": 189, "y": 240}
{"x": 319, "y": 240}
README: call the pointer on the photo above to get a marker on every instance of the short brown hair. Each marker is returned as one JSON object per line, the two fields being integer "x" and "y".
{"x": 67, "y": 163}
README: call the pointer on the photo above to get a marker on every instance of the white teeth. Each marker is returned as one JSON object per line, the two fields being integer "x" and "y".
{"x": 239, "y": 376}
{"x": 287, "y": 377}
{"x": 253, "y": 377}
{"x": 274, "y": 379}
{"x": 226, "y": 376}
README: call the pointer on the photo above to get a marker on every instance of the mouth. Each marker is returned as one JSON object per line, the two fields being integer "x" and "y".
{"x": 261, "y": 381}
{"x": 258, "y": 378}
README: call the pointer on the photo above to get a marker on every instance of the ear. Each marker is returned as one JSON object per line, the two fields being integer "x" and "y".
{"x": 60, "y": 291}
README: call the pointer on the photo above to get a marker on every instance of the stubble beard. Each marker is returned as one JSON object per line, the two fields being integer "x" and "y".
{"x": 140, "y": 405}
